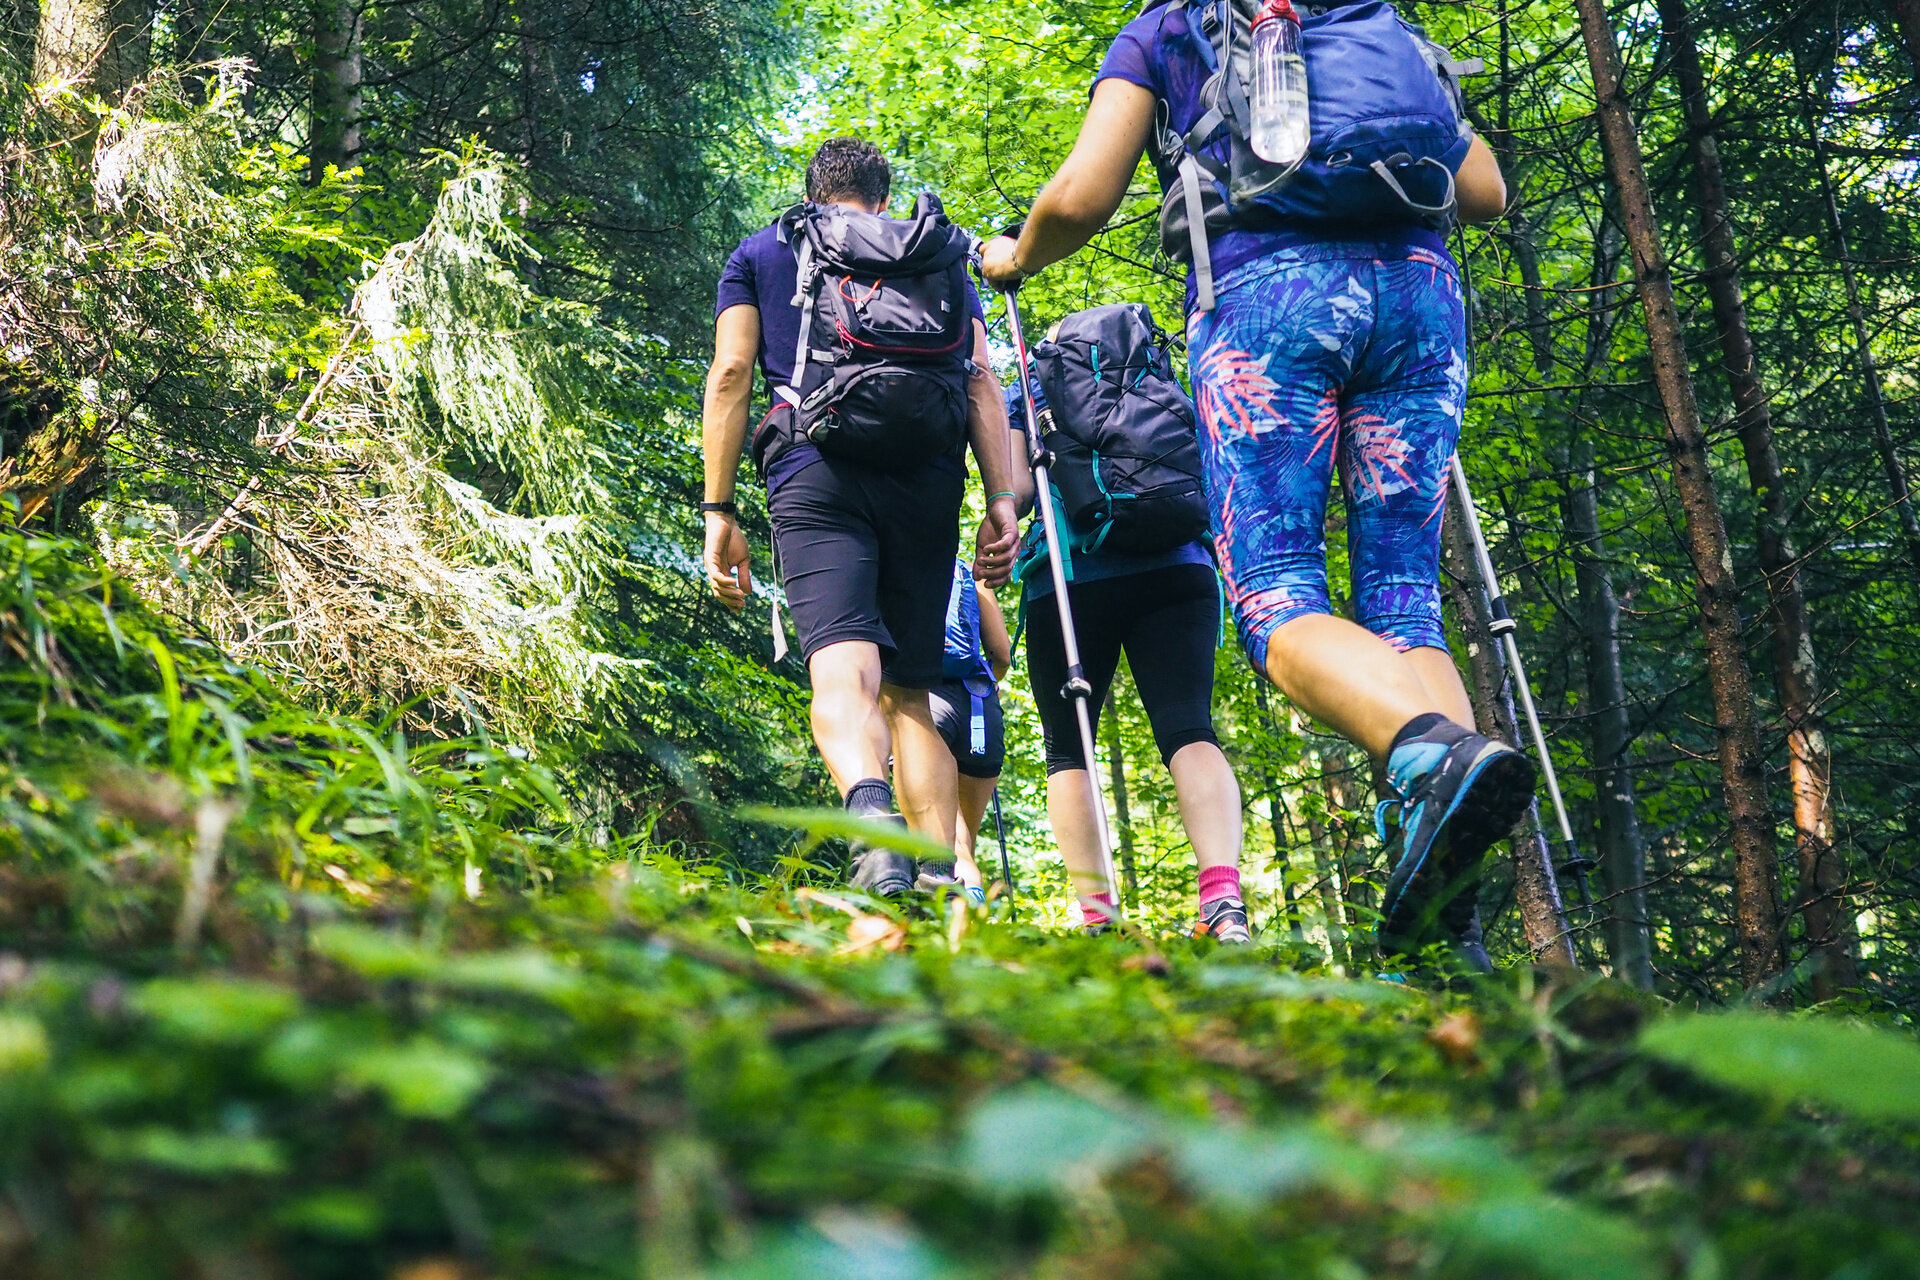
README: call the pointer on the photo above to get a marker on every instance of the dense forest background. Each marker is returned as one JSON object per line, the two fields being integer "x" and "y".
{"x": 384, "y": 797}
{"x": 422, "y": 291}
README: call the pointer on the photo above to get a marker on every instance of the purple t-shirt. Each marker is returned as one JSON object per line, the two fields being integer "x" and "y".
{"x": 1154, "y": 52}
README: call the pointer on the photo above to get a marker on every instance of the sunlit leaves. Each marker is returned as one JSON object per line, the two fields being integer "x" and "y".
{"x": 1852, "y": 1068}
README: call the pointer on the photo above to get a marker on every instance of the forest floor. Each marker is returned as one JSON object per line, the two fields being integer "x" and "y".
{"x": 292, "y": 995}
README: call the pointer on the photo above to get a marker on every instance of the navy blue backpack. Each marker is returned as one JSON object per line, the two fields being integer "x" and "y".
{"x": 1385, "y": 112}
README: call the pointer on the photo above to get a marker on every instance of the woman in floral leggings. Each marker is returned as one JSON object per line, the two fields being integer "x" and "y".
{"x": 1326, "y": 349}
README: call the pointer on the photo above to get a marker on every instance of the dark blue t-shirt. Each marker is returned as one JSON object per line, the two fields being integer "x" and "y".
{"x": 762, "y": 273}
{"x": 1154, "y": 52}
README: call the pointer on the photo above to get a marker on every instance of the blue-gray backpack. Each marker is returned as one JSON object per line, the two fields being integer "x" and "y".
{"x": 1385, "y": 113}
{"x": 1122, "y": 431}
{"x": 965, "y": 657}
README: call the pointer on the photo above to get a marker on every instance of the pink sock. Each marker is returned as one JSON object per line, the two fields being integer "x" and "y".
{"x": 1090, "y": 915}
{"x": 1217, "y": 883}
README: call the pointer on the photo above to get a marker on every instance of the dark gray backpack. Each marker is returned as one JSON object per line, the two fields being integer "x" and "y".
{"x": 1127, "y": 455}
{"x": 881, "y": 368}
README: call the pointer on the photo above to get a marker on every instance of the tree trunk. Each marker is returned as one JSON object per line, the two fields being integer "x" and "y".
{"x": 1623, "y": 850}
{"x": 1283, "y": 863}
{"x": 1122, "y": 813}
{"x": 1331, "y": 908}
{"x": 100, "y": 46}
{"x": 1536, "y": 889}
{"x": 335, "y": 138}
{"x": 1796, "y": 669}
{"x": 1716, "y": 594}
{"x": 1277, "y": 804}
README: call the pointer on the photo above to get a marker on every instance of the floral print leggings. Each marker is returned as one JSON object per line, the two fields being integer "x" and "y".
{"x": 1347, "y": 352}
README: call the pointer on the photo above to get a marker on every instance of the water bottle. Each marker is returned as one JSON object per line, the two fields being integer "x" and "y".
{"x": 1280, "y": 130}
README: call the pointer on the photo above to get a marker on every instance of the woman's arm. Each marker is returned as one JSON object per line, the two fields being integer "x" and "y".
{"x": 1479, "y": 192}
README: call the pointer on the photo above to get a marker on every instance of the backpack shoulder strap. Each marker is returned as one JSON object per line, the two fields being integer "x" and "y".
{"x": 1178, "y": 155}
{"x": 805, "y": 294}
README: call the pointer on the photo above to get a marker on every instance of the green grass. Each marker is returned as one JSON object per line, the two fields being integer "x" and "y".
{"x": 288, "y": 995}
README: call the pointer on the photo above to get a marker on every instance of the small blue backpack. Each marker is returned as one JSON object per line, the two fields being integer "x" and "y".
{"x": 1385, "y": 112}
{"x": 965, "y": 657}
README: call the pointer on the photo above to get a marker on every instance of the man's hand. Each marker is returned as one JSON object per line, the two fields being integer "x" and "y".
{"x": 994, "y": 544}
{"x": 726, "y": 559}
{"x": 997, "y": 265}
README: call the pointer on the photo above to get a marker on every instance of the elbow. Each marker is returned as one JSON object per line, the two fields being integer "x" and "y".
{"x": 730, "y": 375}
{"x": 1483, "y": 201}
{"x": 1076, "y": 204}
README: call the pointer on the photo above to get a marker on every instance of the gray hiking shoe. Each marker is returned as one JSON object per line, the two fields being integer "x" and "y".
{"x": 883, "y": 873}
{"x": 879, "y": 871}
{"x": 936, "y": 877}
{"x": 1225, "y": 920}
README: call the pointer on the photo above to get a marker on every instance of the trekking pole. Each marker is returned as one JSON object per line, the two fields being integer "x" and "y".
{"x": 1006, "y": 864}
{"x": 1503, "y": 628}
{"x": 1078, "y": 687}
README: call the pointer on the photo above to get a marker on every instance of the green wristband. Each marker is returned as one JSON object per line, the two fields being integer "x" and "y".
{"x": 1004, "y": 493}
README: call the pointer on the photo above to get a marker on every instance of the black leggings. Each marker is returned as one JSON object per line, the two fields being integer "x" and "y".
{"x": 1167, "y": 620}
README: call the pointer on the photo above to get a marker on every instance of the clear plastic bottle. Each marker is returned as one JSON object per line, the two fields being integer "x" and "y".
{"x": 1280, "y": 127}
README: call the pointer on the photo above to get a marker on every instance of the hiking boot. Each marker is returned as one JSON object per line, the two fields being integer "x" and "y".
{"x": 936, "y": 877}
{"x": 1225, "y": 920}
{"x": 1460, "y": 922}
{"x": 882, "y": 872}
{"x": 1457, "y": 793}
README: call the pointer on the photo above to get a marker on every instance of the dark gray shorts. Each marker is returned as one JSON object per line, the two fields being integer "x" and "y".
{"x": 868, "y": 555}
{"x": 952, "y": 707}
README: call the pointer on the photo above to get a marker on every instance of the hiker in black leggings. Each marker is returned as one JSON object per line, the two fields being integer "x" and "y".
{"x": 1161, "y": 609}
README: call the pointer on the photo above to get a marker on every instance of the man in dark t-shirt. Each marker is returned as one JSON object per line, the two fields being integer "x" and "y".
{"x": 865, "y": 555}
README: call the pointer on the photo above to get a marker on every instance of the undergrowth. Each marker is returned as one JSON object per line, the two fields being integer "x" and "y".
{"x": 291, "y": 995}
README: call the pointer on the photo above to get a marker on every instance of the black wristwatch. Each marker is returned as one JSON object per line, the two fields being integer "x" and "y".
{"x": 726, "y": 508}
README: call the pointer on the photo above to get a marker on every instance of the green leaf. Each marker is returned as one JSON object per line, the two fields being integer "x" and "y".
{"x": 1549, "y": 1238}
{"x": 203, "y": 1155}
{"x": 1245, "y": 1168}
{"x": 336, "y": 1213}
{"x": 23, "y": 1044}
{"x": 307, "y": 1054}
{"x": 823, "y": 824}
{"x": 525, "y": 972}
{"x": 1039, "y": 1137}
{"x": 846, "y": 1246}
{"x": 422, "y": 1078}
{"x": 215, "y": 1010}
{"x": 1253, "y": 980}
{"x": 1861, "y": 1070}
{"x": 374, "y": 954}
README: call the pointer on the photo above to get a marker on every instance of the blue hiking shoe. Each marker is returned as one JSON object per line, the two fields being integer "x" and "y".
{"x": 1457, "y": 793}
